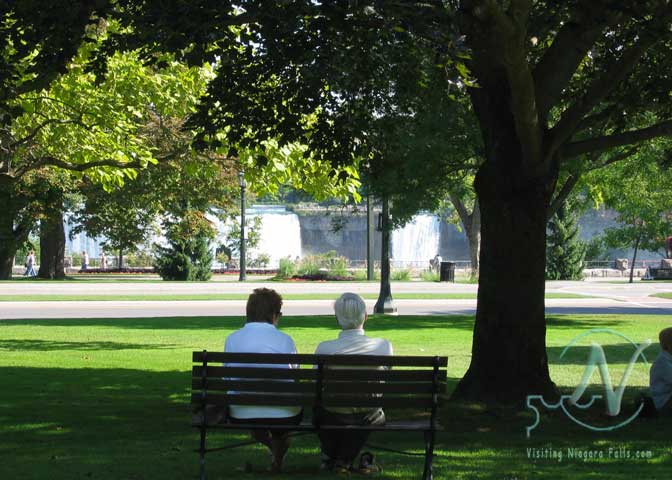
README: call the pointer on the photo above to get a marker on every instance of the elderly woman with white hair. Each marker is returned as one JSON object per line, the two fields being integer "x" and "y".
{"x": 340, "y": 448}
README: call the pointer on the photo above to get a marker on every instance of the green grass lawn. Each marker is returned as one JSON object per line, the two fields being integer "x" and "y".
{"x": 663, "y": 295}
{"x": 243, "y": 296}
{"x": 108, "y": 399}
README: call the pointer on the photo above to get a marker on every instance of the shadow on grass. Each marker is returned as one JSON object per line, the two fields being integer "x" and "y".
{"x": 375, "y": 323}
{"x": 378, "y": 323}
{"x": 615, "y": 353}
{"x": 53, "y": 345}
{"x": 111, "y": 424}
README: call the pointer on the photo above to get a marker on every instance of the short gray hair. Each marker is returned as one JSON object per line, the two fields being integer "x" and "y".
{"x": 350, "y": 311}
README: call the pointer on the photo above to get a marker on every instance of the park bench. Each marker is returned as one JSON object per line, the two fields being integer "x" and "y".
{"x": 414, "y": 385}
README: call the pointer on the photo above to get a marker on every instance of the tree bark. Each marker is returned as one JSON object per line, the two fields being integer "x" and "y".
{"x": 473, "y": 231}
{"x": 52, "y": 246}
{"x": 8, "y": 241}
{"x": 385, "y": 303}
{"x": 509, "y": 358}
{"x": 513, "y": 188}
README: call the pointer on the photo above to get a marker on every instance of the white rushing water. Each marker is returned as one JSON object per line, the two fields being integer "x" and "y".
{"x": 417, "y": 241}
{"x": 280, "y": 233}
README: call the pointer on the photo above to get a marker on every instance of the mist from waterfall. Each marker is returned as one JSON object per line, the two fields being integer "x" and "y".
{"x": 416, "y": 242}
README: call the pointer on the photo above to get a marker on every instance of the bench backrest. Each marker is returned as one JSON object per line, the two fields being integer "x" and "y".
{"x": 322, "y": 380}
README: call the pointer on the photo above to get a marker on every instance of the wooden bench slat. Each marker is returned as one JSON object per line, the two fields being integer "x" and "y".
{"x": 255, "y": 372}
{"x": 239, "y": 385}
{"x": 383, "y": 375}
{"x": 290, "y": 400}
{"x": 311, "y": 374}
{"x": 218, "y": 384}
{"x": 382, "y": 387}
{"x": 309, "y": 359}
{"x": 414, "y": 425}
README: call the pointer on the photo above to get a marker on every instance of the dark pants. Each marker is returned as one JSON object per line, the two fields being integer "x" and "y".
{"x": 342, "y": 445}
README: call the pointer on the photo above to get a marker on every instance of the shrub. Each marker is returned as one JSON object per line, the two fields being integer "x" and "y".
{"x": 339, "y": 267}
{"x": 188, "y": 256}
{"x": 565, "y": 252}
{"x": 309, "y": 265}
{"x": 286, "y": 268}
{"x": 402, "y": 274}
{"x": 359, "y": 275}
{"x": 429, "y": 276}
{"x": 260, "y": 261}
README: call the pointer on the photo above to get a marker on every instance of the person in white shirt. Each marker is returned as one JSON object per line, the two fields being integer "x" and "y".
{"x": 660, "y": 379}
{"x": 339, "y": 448}
{"x": 261, "y": 335}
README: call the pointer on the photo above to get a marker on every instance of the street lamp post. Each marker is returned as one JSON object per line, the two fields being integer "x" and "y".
{"x": 385, "y": 303}
{"x": 369, "y": 238}
{"x": 243, "y": 185}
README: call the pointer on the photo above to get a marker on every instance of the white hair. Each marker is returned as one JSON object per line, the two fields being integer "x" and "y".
{"x": 350, "y": 311}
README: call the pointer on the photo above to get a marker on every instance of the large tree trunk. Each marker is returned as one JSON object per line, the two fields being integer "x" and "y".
{"x": 7, "y": 252}
{"x": 8, "y": 243}
{"x": 52, "y": 246}
{"x": 509, "y": 358}
{"x": 509, "y": 346}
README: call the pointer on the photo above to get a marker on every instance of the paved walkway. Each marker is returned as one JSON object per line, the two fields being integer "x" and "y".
{"x": 609, "y": 298}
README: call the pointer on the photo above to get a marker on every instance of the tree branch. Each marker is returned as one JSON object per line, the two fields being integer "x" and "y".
{"x": 616, "y": 158}
{"x": 462, "y": 212}
{"x": 44, "y": 124}
{"x": 80, "y": 167}
{"x": 562, "y": 195}
{"x": 601, "y": 144}
{"x": 601, "y": 87}
{"x": 570, "y": 46}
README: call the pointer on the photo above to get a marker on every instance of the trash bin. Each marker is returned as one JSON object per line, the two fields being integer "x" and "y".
{"x": 447, "y": 272}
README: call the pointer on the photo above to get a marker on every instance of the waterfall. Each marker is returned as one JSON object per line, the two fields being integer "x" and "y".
{"x": 80, "y": 242}
{"x": 280, "y": 233}
{"x": 417, "y": 241}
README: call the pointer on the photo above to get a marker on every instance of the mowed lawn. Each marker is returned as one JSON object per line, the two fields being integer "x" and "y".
{"x": 108, "y": 399}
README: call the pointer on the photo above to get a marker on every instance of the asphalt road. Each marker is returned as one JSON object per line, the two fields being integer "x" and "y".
{"x": 608, "y": 298}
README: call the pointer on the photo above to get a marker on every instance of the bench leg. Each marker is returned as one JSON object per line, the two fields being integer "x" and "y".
{"x": 429, "y": 455}
{"x": 202, "y": 454}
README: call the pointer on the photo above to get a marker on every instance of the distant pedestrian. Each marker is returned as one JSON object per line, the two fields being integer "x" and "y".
{"x": 85, "y": 261}
{"x": 30, "y": 265}
{"x": 103, "y": 261}
{"x": 668, "y": 245}
{"x": 435, "y": 263}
